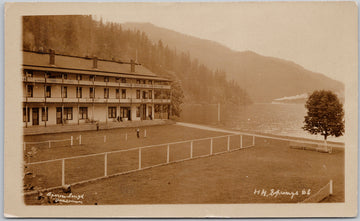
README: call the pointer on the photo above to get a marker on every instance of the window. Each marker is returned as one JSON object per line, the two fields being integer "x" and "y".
{"x": 65, "y": 76}
{"x": 124, "y": 112}
{"x": 117, "y": 93}
{"x": 138, "y": 111}
{"x": 24, "y": 114}
{"x": 150, "y": 94}
{"x": 47, "y": 91}
{"x": 138, "y": 81}
{"x": 44, "y": 114}
{"x": 91, "y": 77}
{"x": 117, "y": 80}
{"x": 83, "y": 113}
{"x": 78, "y": 92}
{"x": 92, "y": 92}
{"x": 106, "y": 79}
{"x": 112, "y": 112}
{"x": 144, "y": 95}
{"x": 123, "y": 80}
{"x": 68, "y": 113}
{"x": 137, "y": 94}
{"x": 123, "y": 93}
{"x": 106, "y": 92}
{"x": 28, "y": 73}
{"x": 79, "y": 77}
{"x": 30, "y": 90}
{"x": 64, "y": 92}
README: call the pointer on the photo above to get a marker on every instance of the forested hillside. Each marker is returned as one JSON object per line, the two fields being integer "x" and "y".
{"x": 84, "y": 36}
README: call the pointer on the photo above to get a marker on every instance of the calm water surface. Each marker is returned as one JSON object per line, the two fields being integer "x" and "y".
{"x": 279, "y": 119}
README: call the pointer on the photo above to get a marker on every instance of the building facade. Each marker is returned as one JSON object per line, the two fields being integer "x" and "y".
{"x": 60, "y": 89}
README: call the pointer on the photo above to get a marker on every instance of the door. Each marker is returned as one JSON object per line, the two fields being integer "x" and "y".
{"x": 58, "y": 115}
{"x": 129, "y": 114}
{"x": 143, "y": 114}
{"x": 150, "y": 112}
{"x": 35, "y": 116}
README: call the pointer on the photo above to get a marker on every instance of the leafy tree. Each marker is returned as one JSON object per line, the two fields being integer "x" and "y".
{"x": 325, "y": 114}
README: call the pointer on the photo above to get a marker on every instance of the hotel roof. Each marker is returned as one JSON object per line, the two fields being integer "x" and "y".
{"x": 84, "y": 65}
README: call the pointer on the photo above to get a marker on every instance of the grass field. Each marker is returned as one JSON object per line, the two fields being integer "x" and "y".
{"x": 227, "y": 178}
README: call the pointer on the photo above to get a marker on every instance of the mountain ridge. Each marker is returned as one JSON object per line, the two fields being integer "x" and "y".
{"x": 264, "y": 77}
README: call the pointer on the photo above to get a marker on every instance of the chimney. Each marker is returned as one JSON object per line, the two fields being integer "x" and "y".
{"x": 52, "y": 57}
{"x": 132, "y": 63}
{"x": 95, "y": 60}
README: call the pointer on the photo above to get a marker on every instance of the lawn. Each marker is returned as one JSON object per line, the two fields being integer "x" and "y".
{"x": 227, "y": 178}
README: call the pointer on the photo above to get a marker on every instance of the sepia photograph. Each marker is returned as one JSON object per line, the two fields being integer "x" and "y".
{"x": 225, "y": 108}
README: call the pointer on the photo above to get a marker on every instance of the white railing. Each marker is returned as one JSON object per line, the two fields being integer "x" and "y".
{"x": 53, "y": 80}
{"x": 35, "y": 99}
{"x": 68, "y": 81}
{"x": 125, "y": 84}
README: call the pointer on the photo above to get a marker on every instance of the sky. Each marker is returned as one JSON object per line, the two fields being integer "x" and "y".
{"x": 321, "y": 37}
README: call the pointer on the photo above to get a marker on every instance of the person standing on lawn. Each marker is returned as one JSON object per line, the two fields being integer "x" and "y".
{"x": 138, "y": 133}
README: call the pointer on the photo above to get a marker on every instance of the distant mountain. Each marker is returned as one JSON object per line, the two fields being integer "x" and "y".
{"x": 264, "y": 78}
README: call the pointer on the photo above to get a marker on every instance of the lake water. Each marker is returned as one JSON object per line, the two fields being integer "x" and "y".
{"x": 278, "y": 119}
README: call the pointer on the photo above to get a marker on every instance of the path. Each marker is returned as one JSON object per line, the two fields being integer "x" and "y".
{"x": 294, "y": 139}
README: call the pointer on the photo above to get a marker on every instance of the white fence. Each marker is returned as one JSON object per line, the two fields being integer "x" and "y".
{"x": 50, "y": 143}
{"x": 169, "y": 149}
{"x": 228, "y": 143}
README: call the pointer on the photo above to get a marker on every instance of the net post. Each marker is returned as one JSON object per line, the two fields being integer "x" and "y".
{"x": 140, "y": 158}
{"x": 168, "y": 154}
{"x": 63, "y": 172}
{"x": 228, "y": 143}
{"x": 105, "y": 164}
{"x": 253, "y": 143}
{"x": 24, "y": 145}
{"x": 49, "y": 143}
{"x": 241, "y": 143}
{"x": 191, "y": 149}
{"x": 331, "y": 187}
{"x": 80, "y": 139}
{"x": 71, "y": 140}
{"x": 211, "y": 146}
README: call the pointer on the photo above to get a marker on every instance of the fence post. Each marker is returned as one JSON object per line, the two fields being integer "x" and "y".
{"x": 253, "y": 141}
{"x": 191, "y": 149}
{"x": 24, "y": 145}
{"x": 80, "y": 139}
{"x": 228, "y": 143}
{"x": 211, "y": 146}
{"x": 139, "y": 158}
{"x": 104, "y": 138}
{"x": 105, "y": 164}
{"x": 71, "y": 141}
{"x": 331, "y": 187}
{"x": 168, "y": 154}
{"x": 49, "y": 143}
{"x": 241, "y": 142}
{"x": 63, "y": 173}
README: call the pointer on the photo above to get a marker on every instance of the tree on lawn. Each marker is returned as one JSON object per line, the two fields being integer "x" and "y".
{"x": 325, "y": 114}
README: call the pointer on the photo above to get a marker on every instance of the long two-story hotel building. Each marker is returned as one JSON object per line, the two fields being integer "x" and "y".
{"x": 60, "y": 89}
